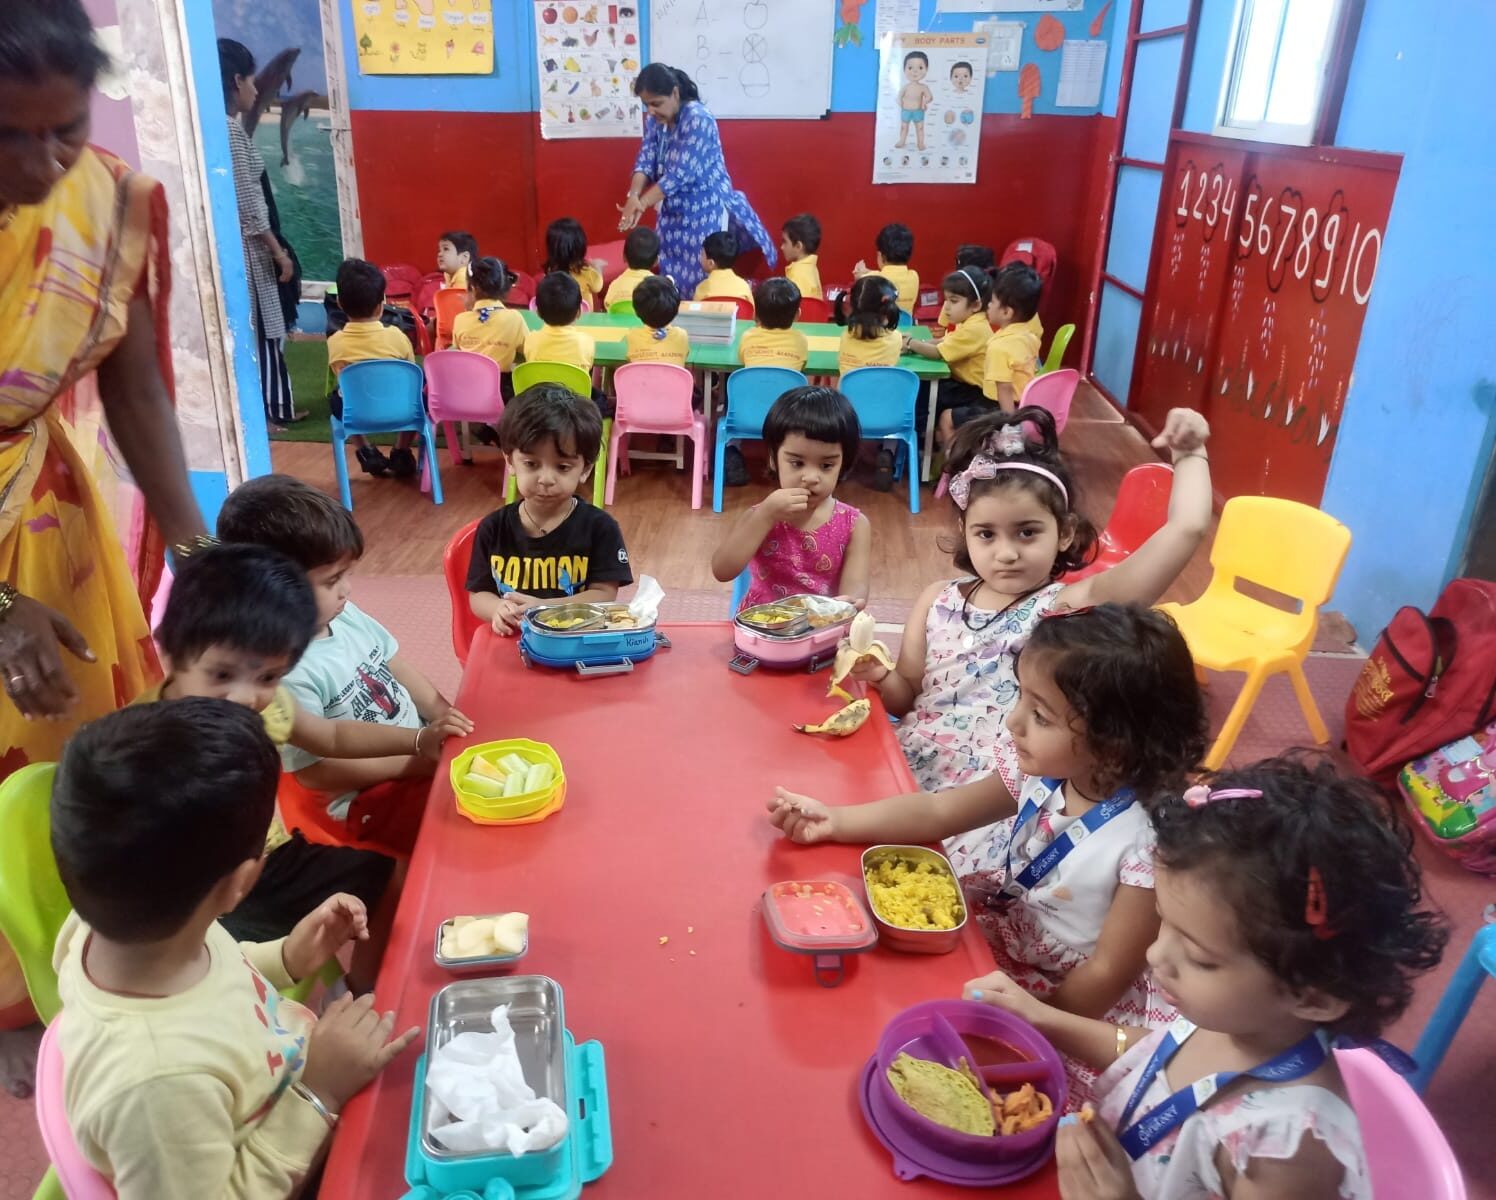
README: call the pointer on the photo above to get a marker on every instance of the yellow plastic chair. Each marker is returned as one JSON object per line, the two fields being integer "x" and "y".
{"x": 1057, "y": 348}
{"x": 1282, "y": 545}
{"x": 527, "y": 375}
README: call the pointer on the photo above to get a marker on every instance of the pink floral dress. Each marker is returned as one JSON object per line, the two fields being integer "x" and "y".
{"x": 794, "y": 561}
{"x": 1267, "y": 1122}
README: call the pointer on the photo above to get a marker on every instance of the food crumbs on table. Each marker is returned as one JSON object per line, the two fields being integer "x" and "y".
{"x": 693, "y": 954}
{"x": 690, "y": 929}
{"x": 664, "y": 941}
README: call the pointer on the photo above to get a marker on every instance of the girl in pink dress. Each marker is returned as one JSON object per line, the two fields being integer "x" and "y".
{"x": 801, "y": 538}
{"x": 1291, "y": 921}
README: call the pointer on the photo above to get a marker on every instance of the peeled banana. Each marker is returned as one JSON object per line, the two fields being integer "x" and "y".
{"x": 858, "y": 645}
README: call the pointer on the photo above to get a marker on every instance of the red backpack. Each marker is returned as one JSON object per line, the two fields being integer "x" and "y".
{"x": 1430, "y": 679}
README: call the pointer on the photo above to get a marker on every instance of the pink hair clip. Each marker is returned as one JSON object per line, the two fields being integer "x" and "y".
{"x": 1200, "y": 795}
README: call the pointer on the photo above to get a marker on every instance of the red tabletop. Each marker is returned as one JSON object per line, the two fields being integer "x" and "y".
{"x": 731, "y": 1073}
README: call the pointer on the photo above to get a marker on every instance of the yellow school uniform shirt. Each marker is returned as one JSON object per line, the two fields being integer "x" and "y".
{"x": 882, "y": 351}
{"x": 905, "y": 280}
{"x": 1012, "y": 357}
{"x": 590, "y": 280}
{"x": 560, "y": 343}
{"x": 457, "y": 278}
{"x": 805, "y": 274}
{"x": 723, "y": 283}
{"x": 186, "y": 1096}
{"x": 644, "y": 345}
{"x": 964, "y": 349}
{"x": 359, "y": 341}
{"x": 623, "y": 287}
{"x": 491, "y": 330}
{"x": 760, "y": 347}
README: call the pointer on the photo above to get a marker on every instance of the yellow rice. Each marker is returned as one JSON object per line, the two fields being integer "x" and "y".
{"x": 914, "y": 895}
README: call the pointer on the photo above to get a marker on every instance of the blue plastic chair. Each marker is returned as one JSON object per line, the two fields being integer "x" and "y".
{"x": 906, "y": 319}
{"x": 1459, "y": 995}
{"x": 885, "y": 399}
{"x": 739, "y": 590}
{"x": 751, "y": 392}
{"x": 382, "y": 395}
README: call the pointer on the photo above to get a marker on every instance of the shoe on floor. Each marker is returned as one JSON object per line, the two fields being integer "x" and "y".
{"x": 373, "y": 461}
{"x": 734, "y": 468}
{"x": 402, "y": 463}
{"x": 486, "y": 434}
{"x": 883, "y": 474}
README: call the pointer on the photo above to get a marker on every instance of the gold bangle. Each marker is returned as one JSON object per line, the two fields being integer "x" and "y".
{"x": 8, "y": 595}
{"x": 1121, "y": 1041}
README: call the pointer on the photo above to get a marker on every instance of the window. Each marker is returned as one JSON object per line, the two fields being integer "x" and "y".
{"x": 1277, "y": 81}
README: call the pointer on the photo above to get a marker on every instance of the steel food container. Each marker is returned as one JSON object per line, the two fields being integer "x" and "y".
{"x": 477, "y": 962}
{"x": 902, "y": 937}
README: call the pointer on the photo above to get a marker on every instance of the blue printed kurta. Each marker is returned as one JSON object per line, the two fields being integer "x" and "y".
{"x": 685, "y": 160}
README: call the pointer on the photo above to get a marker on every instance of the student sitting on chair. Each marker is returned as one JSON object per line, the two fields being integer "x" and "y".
{"x": 641, "y": 251}
{"x": 772, "y": 342}
{"x": 895, "y": 249}
{"x": 490, "y": 329}
{"x": 1013, "y": 353}
{"x": 719, "y": 253}
{"x": 456, "y": 250}
{"x": 800, "y": 246}
{"x": 872, "y": 337}
{"x": 657, "y": 304}
{"x": 566, "y": 250}
{"x": 964, "y": 349}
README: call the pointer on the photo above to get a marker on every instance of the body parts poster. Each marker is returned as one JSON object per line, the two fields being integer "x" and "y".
{"x": 588, "y": 55}
{"x": 929, "y": 123}
{"x": 424, "y": 37}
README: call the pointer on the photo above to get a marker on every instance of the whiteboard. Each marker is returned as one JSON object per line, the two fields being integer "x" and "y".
{"x": 751, "y": 58}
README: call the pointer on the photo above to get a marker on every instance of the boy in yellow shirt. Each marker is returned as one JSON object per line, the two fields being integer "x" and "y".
{"x": 800, "y": 246}
{"x": 895, "y": 249}
{"x": 558, "y": 301}
{"x": 773, "y": 342}
{"x": 187, "y": 1075}
{"x": 964, "y": 349}
{"x": 641, "y": 250}
{"x": 361, "y": 297}
{"x": 718, "y": 254}
{"x": 657, "y": 340}
{"x": 1012, "y": 358}
{"x": 455, "y": 252}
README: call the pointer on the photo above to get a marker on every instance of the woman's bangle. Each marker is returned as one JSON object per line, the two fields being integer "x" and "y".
{"x": 8, "y": 596}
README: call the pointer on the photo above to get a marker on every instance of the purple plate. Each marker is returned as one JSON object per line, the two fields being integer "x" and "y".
{"x": 913, "y": 1159}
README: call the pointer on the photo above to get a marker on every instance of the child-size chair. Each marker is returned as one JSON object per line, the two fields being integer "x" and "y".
{"x": 69, "y": 1168}
{"x": 401, "y": 281}
{"x": 1406, "y": 1154}
{"x": 655, "y": 397}
{"x": 33, "y": 902}
{"x": 1291, "y": 549}
{"x": 455, "y": 560}
{"x": 1141, "y": 508}
{"x": 521, "y": 291}
{"x": 906, "y": 319}
{"x": 461, "y": 386}
{"x": 1057, "y": 347}
{"x": 527, "y": 375}
{"x": 448, "y": 302}
{"x": 745, "y": 307}
{"x": 751, "y": 392}
{"x": 816, "y": 312}
{"x": 1054, "y": 391}
{"x": 1459, "y": 995}
{"x": 622, "y": 308}
{"x": 382, "y": 395}
{"x": 740, "y": 587}
{"x": 884, "y": 398}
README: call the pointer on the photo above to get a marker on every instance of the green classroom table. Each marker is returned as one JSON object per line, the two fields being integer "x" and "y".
{"x": 609, "y": 329}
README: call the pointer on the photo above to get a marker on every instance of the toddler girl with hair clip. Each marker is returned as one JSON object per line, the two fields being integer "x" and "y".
{"x": 1291, "y": 923}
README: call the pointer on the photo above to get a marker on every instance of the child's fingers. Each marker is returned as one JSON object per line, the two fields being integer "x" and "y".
{"x": 395, "y": 1047}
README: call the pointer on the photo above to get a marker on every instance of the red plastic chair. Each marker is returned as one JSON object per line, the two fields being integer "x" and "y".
{"x": 462, "y": 386}
{"x": 815, "y": 312}
{"x": 449, "y": 302}
{"x": 401, "y": 281}
{"x": 1054, "y": 391}
{"x": 522, "y": 291}
{"x": 425, "y": 298}
{"x": 656, "y": 398}
{"x": 455, "y": 560}
{"x": 611, "y": 256}
{"x": 745, "y": 307}
{"x": 1141, "y": 509}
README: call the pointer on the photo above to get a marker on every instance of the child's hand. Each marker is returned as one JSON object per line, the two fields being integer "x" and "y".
{"x": 857, "y": 602}
{"x": 786, "y": 502}
{"x": 869, "y": 670}
{"x": 1184, "y": 431}
{"x": 860, "y": 269}
{"x": 322, "y": 933}
{"x": 1000, "y": 991}
{"x": 1092, "y": 1164}
{"x": 800, "y": 818}
{"x": 348, "y": 1046}
{"x": 450, "y": 724}
{"x": 506, "y": 620}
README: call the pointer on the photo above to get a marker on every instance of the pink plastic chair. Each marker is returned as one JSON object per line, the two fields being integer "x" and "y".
{"x": 1054, "y": 390}
{"x": 1141, "y": 509}
{"x": 461, "y": 386}
{"x": 656, "y": 398}
{"x": 79, "y": 1180}
{"x": 1406, "y": 1154}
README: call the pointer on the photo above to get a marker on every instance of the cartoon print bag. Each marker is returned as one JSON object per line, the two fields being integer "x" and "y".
{"x": 1452, "y": 795}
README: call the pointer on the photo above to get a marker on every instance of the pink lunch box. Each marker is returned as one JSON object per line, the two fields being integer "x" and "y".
{"x": 799, "y": 645}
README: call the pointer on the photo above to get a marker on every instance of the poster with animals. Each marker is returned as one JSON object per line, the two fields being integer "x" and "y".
{"x": 424, "y": 37}
{"x": 588, "y": 56}
{"x": 929, "y": 122}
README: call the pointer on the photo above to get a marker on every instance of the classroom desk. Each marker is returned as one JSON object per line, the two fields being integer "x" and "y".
{"x": 730, "y": 1071}
{"x": 609, "y": 329}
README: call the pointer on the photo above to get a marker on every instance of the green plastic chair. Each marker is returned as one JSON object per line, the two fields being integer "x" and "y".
{"x": 1057, "y": 348}
{"x": 33, "y": 902}
{"x": 622, "y": 308}
{"x": 527, "y": 375}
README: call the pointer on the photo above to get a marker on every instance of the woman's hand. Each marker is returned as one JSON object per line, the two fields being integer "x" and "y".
{"x": 30, "y": 663}
{"x": 284, "y": 267}
{"x": 630, "y": 211}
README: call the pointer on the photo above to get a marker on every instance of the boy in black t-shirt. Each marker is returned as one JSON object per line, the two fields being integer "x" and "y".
{"x": 549, "y": 544}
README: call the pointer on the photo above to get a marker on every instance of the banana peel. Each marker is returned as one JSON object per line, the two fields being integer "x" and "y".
{"x": 858, "y": 646}
{"x": 844, "y": 722}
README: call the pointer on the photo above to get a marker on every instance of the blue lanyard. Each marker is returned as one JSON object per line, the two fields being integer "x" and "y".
{"x": 1059, "y": 849}
{"x": 1294, "y": 1063}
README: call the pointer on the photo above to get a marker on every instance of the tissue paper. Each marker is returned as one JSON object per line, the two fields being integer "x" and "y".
{"x": 481, "y": 1100}
{"x": 645, "y": 606}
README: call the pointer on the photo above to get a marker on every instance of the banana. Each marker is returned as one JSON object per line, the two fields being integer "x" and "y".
{"x": 843, "y": 722}
{"x": 857, "y": 646}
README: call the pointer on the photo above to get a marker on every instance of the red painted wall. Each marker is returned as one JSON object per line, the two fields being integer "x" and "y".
{"x": 422, "y": 172}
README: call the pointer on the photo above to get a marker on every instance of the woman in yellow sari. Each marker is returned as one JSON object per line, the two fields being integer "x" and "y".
{"x": 84, "y": 277}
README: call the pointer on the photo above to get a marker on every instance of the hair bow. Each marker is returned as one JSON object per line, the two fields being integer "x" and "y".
{"x": 1200, "y": 795}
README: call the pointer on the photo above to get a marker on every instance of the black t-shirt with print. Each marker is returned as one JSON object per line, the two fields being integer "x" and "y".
{"x": 585, "y": 549}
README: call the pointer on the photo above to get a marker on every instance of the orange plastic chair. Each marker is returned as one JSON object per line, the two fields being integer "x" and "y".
{"x": 745, "y": 307}
{"x": 449, "y": 302}
{"x": 455, "y": 559}
{"x": 1140, "y": 511}
{"x": 1290, "y": 548}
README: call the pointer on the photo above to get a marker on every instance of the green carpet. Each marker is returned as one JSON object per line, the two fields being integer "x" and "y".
{"x": 307, "y": 363}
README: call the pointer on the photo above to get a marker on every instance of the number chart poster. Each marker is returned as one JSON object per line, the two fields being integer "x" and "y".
{"x": 424, "y": 37}
{"x": 929, "y": 123}
{"x": 1262, "y": 267}
{"x": 588, "y": 57}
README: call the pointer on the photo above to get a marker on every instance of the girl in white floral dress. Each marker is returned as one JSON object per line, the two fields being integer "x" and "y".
{"x": 1291, "y": 922}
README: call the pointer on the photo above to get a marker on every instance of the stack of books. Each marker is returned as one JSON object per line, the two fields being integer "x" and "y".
{"x": 708, "y": 322}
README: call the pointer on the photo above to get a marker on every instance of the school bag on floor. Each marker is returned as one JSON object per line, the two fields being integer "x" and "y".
{"x": 1430, "y": 679}
{"x": 1452, "y": 796}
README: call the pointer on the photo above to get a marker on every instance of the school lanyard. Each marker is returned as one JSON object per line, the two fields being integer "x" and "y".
{"x": 1059, "y": 849}
{"x": 1294, "y": 1063}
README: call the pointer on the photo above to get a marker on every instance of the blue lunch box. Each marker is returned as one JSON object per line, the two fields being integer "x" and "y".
{"x": 592, "y": 639}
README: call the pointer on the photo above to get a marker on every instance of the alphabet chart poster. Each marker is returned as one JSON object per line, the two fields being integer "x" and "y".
{"x": 588, "y": 56}
{"x": 424, "y": 37}
{"x": 929, "y": 123}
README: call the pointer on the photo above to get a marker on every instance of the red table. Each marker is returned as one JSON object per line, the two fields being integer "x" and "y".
{"x": 731, "y": 1073}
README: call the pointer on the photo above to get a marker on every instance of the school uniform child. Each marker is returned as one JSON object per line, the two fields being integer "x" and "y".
{"x": 657, "y": 304}
{"x": 455, "y": 251}
{"x": 1013, "y": 353}
{"x": 895, "y": 249}
{"x": 558, "y": 301}
{"x": 872, "y": 336}
{"x": 718, "y": 254}
{"x": 641, "y": 250}
{"x": 566, "y": 250}
{"x": 488, "y": 327}
{"x": 361, "y": 297}
{"x": 974, "y": 258}
{"x": 773, "y": 341}
{"x": 964, "y": 349}
{"x": 187, "y": 1074}
{"x": 800, "y": 244}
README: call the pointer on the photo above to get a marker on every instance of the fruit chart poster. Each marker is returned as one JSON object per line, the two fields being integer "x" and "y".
{"x": 424, "y": 37}
{"x": 588, "y": 55}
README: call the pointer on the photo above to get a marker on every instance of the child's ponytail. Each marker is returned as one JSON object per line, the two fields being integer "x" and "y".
{"x": 874, "y": 307}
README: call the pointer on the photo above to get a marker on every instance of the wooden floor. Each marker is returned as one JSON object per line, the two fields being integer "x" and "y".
{"x": 406, "y": 533}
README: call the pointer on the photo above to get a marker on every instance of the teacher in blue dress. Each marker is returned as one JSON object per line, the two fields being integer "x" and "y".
{"x": 680, "y": 170}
